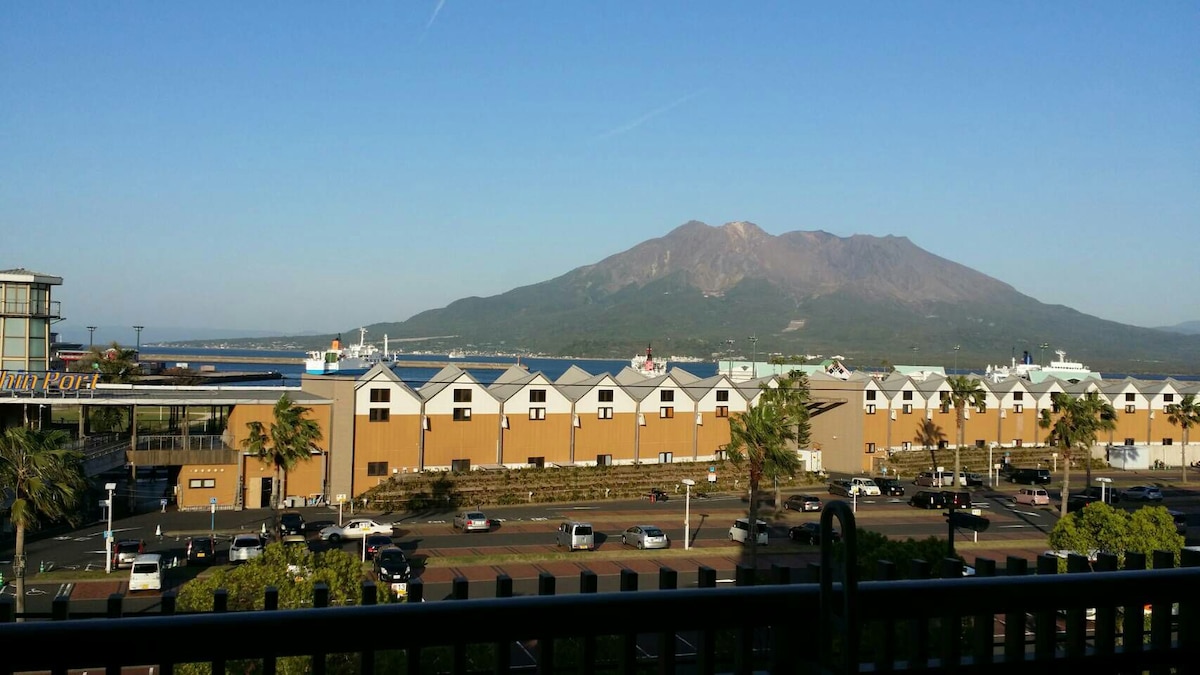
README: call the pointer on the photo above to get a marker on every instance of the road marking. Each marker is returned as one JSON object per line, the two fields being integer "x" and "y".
{"x": 540, "y": 518}
{"x": 1026, "y": 513}
{"x": 1012, "y": 526}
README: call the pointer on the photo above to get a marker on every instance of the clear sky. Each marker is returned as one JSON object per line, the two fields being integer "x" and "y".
{"x": 314, "y": 166}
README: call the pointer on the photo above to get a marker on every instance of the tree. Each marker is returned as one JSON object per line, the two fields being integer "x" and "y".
{"x": 759, "y": 439}
{"x": 116, "y": 364}
{"x": 792, "y": 395}
{"x": 1076, "y": 425}
{"x": 1185, "y": 414}
{"x": 930, "y": 436}
{"x": 1099, "y": 528}
{"x": 291, "y": 439}
{"x": 46, "y": 482}
{"x": 964, "y": 391}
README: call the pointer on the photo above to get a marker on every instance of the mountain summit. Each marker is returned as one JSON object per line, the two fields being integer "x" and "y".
{"x": 875, "y": 300}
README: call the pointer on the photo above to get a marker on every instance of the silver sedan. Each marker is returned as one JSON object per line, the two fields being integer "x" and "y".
{"x": 645, "y": 536}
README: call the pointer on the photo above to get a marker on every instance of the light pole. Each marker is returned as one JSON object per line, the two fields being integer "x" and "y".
{"x": 1042, "y": 353}
{"x": 956, "y": 348}
{"x": 138, "y": 329}
{"x": 91, "y": 336}
{"x": 687, "y": 514}
{"x": 754, "y": 358}
{"x": 729, "y": 353}
{"x": 108, "y": 533}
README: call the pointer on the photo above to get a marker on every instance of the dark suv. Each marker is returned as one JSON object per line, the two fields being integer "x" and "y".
{"x": 957, "y": 500}
{"x": 201, "y": 551}
{"x": 290, "y": 523}
{"x": 890, "y": 487}
{"x": 928, "y": 499}
{"x": 1030, "y": 476}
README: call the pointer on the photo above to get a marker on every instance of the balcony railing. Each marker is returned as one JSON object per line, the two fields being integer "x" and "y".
{"x": 51, "y": 309}
{"x": 1145, "y": 620}
{"x": 180, "y": 442}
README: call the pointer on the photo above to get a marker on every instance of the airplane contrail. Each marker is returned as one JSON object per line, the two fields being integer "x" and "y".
{"x": 630, "y": 126}
{"x": 436, "y": 9}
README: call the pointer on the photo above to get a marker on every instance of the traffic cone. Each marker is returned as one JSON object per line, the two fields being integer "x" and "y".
{"x": 158, "y": 531}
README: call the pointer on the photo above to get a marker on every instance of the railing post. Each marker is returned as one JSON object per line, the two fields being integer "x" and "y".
{"x": 169, "y": 599}
{"x": 1160, "y": 612}
{"x": 366, "y": 657}
{"x": 460, "y": 588}
{"x": 885, "y": 657}
{"x": 781, "y": 630}
{"x": 1133, "y": 629}
{"x": 628, "y": 641}
{"x": 8, "y": 609}
{"x": 416, "y": 593}
{"x": 270, "y": 604}
{"x": 668, "y": 580}
{"x": 545, "y": 644}
{"x": 503, "y": 656}
{"x": 320, "y": 599}
{"x": 950, "y": 624}
{"x": 60, "y": 608}
{"x": 112, "y": 608}
{"x": 1014, "y": 620}
{"x": 743, "y": 651}
{"x": 1189, "y": 610}
{"x": 919, "y": 569}
{"x": 220, "y": 605}
{"x": 1076, "y": 633}
{"x": 706, "y": 638}
{"x": 588, "y": 583}
{"x": 1045, "y": 623}
{"x": 982, "y": 647}
{"x": 1106, "y": 615}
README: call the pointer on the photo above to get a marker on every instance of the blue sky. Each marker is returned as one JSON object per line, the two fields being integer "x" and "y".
{"x": 316, "y": 166}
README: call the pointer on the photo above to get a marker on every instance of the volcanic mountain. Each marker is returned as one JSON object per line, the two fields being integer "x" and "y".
{"x": 874, "y": 300}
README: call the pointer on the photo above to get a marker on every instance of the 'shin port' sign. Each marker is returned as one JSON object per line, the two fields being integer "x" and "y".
{"x": 48, "y": 382}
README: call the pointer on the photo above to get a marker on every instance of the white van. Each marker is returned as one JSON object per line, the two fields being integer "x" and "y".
{"x": 576, "y": 536}
{"x": 146, "y": 573}
{"x": 740, "y": 531}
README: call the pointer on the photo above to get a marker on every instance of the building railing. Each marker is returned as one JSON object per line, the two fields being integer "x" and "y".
{"x": 180, "y": 442}
{"x": 44, "y": 308}
{"x": 1144, "y": 620}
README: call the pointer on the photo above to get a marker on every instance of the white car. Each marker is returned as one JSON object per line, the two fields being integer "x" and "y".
{"x": 1145, "y": 493}
{"x": 355, "y": 529}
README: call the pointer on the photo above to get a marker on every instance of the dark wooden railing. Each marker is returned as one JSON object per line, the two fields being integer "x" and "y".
{"x": 1144, "y": 621}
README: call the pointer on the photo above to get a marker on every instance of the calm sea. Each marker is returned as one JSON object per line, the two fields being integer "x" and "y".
{"x": 414, "y": 377}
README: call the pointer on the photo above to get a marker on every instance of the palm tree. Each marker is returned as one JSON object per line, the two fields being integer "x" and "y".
{"x": 964, "y": 391}
{"x": 759, "y": 438}
{"x": 792, "y": 395}
{"x": 1077, "y": 424}
{"x": 291, "y": 439}
{"x": 1185, "y": 413}
{"x": 930, "y": 436}
{"x": 44, "y": 481}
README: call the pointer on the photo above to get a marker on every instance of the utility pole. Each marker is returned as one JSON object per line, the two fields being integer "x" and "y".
{"x": 138, "y": 329}
{"x": 754, "y": 357}
{"x": 956, "y": 348}
{"x": 91, "y": 336}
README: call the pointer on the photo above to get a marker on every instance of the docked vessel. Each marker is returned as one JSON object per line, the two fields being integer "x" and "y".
{"x": 1026, "y": 369}
{"x": 647, "y": 365}
{"x": 353, "y": 357}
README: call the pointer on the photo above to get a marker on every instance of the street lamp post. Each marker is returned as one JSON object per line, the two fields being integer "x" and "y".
{"x": 754, "y": 357}
{"x": 1042, "y": 353}
{"x": 687, "y": 514}
{"x": 138, "y": 329}
{"x": 729, "y": 353}
{"x": 956, "y": 348}
{"x": 91, "y": 336}
{"x": 108, "y": 538}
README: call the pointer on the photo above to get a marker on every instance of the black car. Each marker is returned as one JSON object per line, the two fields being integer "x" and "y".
{"x": 391, "y": 566}
{"x": 890, "y": 487}
{"x": 840, "y": 487}
{"x": 810, "y": 533}
{"x": 290, "y": 522}
{"x": 1030, "y": 476}
{"x": 376, "y": 543}
{"x": 201, "y": 551}
{"x": 928, "y": 499}
{"x": 958, "y": 500}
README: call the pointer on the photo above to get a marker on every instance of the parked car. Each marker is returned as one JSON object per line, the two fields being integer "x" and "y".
{"x": 1094, "y": 492}
{"x": 472, "y": 521}
{"x": 201, "y": 551}
{"x": 1144, "y": 493}
{"x": 125, "y": 551}
{"x": 928, "y": 499}
{"x": 575, "y": 536}
{"x": 645, "y": 536}
{"x": 740, "y": 531}
{"x": 375, "y": 542}
{"x": 810, "y": 533}
{"x": 391, "y": 566}
{"x": 290, "y": 522}
{"x": 840, "y": 487}
{"x": 802, "y": 503}
{"x": 1180, "y": 519}
{"x": 1032, "y": 497}
{"x": 934, "y": 478}
{"x": 957, "y": 500}
{"x": 970, "y": 479}
{"x": 890, "y": 487}
{"x": 357, "y": 528}
{"x": 245, "y": 547}
{"x": 864, "y": 486}
{"x": 1030, "y": 476}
